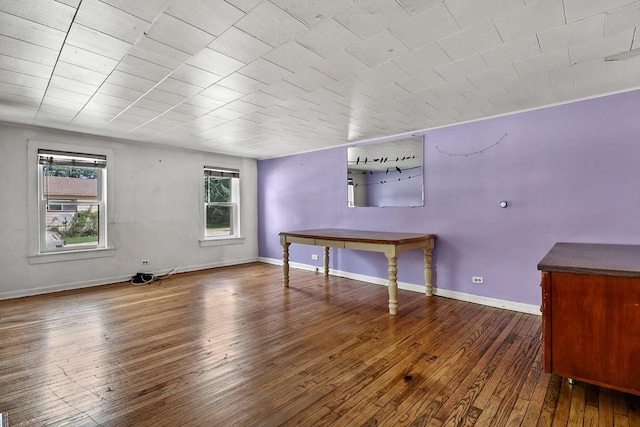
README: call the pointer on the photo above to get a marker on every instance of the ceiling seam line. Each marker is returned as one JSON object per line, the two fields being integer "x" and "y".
{"x": 58, "y": 60}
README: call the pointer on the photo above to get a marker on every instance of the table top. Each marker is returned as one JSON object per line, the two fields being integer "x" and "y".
{"x": 590, "y": 258}
{"x": 364, "y": 236}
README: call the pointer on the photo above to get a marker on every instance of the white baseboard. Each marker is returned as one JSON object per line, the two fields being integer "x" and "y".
{"x": 476, "y": 299}
{"x": 115, "y": 279}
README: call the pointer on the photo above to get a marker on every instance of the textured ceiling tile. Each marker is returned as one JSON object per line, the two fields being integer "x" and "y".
{"x": 96, "y": 42}
{"x": 453, "y": 88}
{"x": 240, "y": 45}
{"x": 461, "y": 68}
{"x": 421, "y": 81}
{"x": 597, "y": 48}
{"x": 283, "y": 90}
{"x": 466, "y": 43}
{"x": 567, "y": 35}
{"x": 104, "y": 102}
{"x": 511, "y": 52}
{"x": 313, "y": 11}
{"x": 64, "y": 99}
{"x": 580, "y": 9}
{"x": 543, "y": 63}
{"x": 623, "y": 19}
{"x": 618, "y": 75}
{"x": 378, "y": 49}
{"x": 164, "y": 96}
{"x": 89, "y": 60}
{"x": 120, "y": 92}
{"x": 72, "y": 85}
{"x": 205, "y": 102}
{"x": 243, "y": 107}
{"x": 292, "y": 56}
{"x": 262, "y": 99}
{"x": 142, "y": 68}
{"x": 349, "y": 87}
{"x": 109, "y": 20}
{"x": 80, "y": 74}
{"x": 13, "y": 78}
{"x": 195, "y": 76}
{"x": 244, "y": 5}
{"x": 418, "y": 6}
{"x": 276, "y": 111}
{"x": 158, "y": 53}
{"x": 158, "y": 106}
{"x": 240, "y": 83}
{"x": 265, "y": 71}
{"x": 52, "y": 14}
{"x": 309, "y": 79}
{"x": 341, "y": 65}
{"x": 271, "y": 24}
{"x": 221, "y": 93}
{"x": 328, "y": 38}
{"x": 427, "y": 27}
{"x": 30, "y": 52}
{"x": 382, "y": 74}
{"x": 178, "y": 87}
{"x": 212, "y": 16}
{"x": 147, "y": 9}
{"x": 12, "y": 89}
{"x": 422, "y": 59}
{"x": 25, "y": 67}
{"x": 523, "y": 22}
{"x": 215, "y": 62}
{"x": 321, "y": 96}
{"x": 142, "y": 113}
{"x": 502, "y": 75}
{"x": 470, "y": 13}
{"x": 191, "y": 40}
{"x": 367, "y": 18}
{"x": 31, "y": 32}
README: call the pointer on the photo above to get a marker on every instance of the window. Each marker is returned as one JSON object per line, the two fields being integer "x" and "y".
{"x": 72, "y": 201}
{"x": 221, "y": 203}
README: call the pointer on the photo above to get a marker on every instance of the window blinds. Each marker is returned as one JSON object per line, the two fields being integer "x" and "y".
{"x": 78, "y": 160}
{"x": 223, "y": 173}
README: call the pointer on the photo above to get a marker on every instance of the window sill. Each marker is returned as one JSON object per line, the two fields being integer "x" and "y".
{"x": 221, "y": 241}
{"x": 70, "y": 255}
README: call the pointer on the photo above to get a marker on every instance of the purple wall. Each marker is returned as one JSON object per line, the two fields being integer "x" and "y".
{"x": 571, "y": 173}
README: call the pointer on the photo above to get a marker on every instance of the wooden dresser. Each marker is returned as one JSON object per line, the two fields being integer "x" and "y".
{"x": 591, "y": 314}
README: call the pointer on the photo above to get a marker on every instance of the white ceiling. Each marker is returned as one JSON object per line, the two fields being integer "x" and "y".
{"x": 261, "y": 79}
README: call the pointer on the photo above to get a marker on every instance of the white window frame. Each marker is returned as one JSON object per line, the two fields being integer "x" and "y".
{"x": 235, "y": 237}
{"x": 38, "y": 252}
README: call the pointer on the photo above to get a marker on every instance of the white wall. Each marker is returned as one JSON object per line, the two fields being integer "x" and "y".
{"x": 156, "y": 217}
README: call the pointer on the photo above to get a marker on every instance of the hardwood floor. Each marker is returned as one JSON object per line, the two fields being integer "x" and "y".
{"x": 231, "y": 346}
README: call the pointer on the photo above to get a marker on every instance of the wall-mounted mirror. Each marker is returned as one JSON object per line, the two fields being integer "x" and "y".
{"x": 386, "y": 173}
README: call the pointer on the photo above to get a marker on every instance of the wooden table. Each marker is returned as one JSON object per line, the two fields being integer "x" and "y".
{"x": 591, "y": 314}
{"x": 390, "y": 243}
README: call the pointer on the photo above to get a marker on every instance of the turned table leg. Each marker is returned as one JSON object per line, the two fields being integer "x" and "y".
{"x": 285, "y": 263}
{"x": 393, "y": 284}
{"x": 326, "y": 260}
{"x": 428, "y": 272}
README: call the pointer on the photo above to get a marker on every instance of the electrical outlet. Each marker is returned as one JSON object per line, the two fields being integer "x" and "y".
{"x": 145, "y": 262}
{"x": 314, "y": 257}
{"x": 477, "y": 279}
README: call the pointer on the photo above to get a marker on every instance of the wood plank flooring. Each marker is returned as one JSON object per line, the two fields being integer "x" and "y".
{"x": 231, "y": 346}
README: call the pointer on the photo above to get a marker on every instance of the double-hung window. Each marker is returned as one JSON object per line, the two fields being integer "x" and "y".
{"x": 72, "y": 201}
{"x": 221, "y": 203}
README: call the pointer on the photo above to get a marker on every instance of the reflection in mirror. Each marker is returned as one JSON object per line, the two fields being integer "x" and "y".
{"x": 386, "y": 173}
